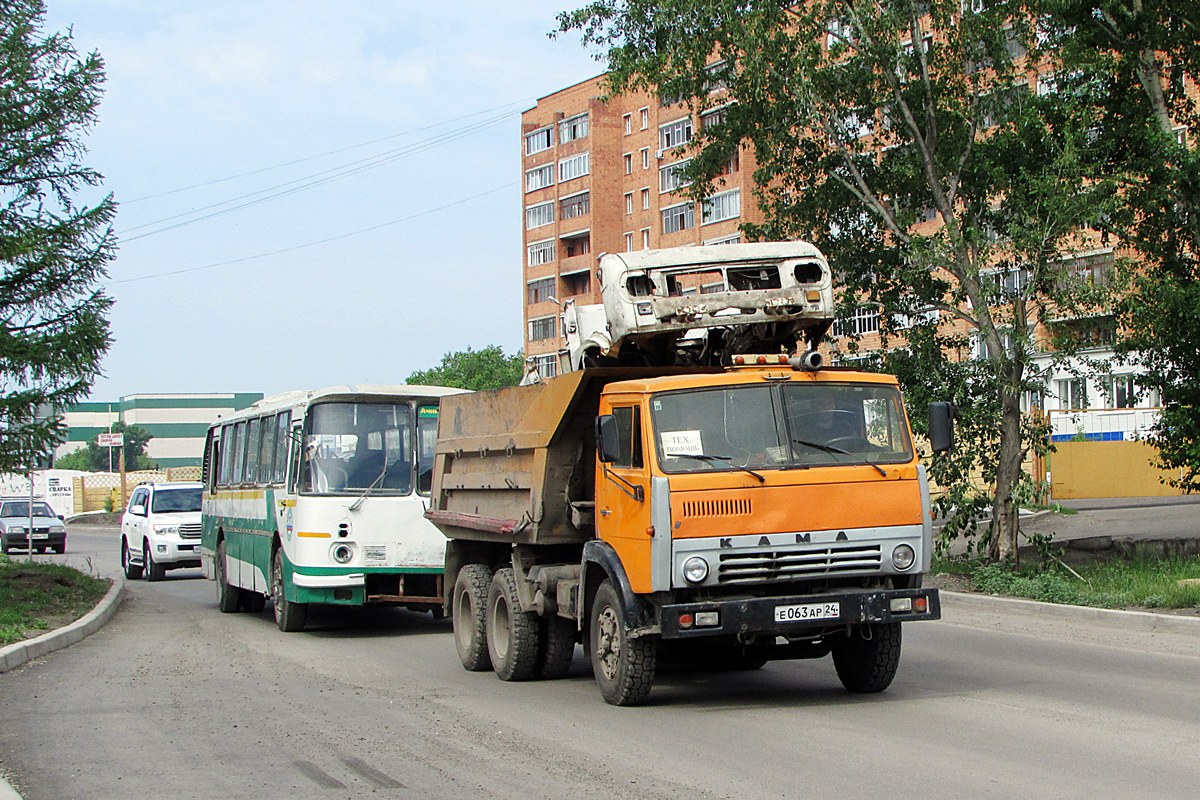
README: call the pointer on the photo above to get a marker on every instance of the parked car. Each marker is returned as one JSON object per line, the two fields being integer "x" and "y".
{"x": 160, "y": 529}
{"x": 49, "y": 530}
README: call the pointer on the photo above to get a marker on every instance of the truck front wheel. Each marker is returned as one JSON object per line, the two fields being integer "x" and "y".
{"x": 624, "y": 667}
{"x": 512, "y": 634}
{"x": 867, "y": 658}
{"x": 467, "y": 616}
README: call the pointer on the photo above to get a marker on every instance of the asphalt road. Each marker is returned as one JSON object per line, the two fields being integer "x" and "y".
{"x": 173, "y": 699}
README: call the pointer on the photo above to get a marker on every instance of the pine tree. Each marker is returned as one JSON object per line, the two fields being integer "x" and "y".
{"x": 54, "y": 241}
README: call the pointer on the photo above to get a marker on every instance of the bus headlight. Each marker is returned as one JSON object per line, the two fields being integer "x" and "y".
{"x": 695, "y": 569}
{"x": 903, "y": 557}
{"x": 343, "y": 553}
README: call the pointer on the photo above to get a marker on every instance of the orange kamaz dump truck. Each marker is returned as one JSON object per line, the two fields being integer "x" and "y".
{"x": 718, "y": 516}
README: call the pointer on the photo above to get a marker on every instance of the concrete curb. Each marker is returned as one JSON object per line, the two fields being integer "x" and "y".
{"x": 14, "y": 655}
{"x": 1141, "y": 620}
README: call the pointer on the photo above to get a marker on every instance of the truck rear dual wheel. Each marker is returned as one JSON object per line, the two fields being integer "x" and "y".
{"x": 867, "y": 658}
{"x": 467, "y": 616}
{"x": 556, "y": 647}
{"x": 624, "y": 666}
{"x": 512, "y": 634}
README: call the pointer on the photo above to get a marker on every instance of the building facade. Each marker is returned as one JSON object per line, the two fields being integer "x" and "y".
{"x": 604, "y": 176}
{"x": 178, "y": 422}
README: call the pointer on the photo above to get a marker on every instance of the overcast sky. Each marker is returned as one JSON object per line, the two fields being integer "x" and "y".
{"x": 359, "y": 166}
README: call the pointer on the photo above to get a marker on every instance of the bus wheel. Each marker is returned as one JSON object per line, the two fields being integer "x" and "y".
{"x": 867, "y": 658}
{"x": 624, "y": 666}
{"x": 512, "y": 634}
{"x": 289, "y": 616}
{"x": 132, "y": 571}
{"x": 467, "y": 616}
{"x": 556, "y": 647}
{"x": 227, "y": 596}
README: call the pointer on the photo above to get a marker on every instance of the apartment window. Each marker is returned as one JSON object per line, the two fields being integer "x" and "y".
{"x": 645, "y": 112}
{"x": 577, "y": 283}
{"x": 734, "y": 238}
{"x": 645, "y": 158}
{"x": 542, "y": 328}
{"x": 838, "y": 32}
{"x": 1072, "y": 393}
{"x": 713, "y": 117}
{"x": 671, "y": 176}
{"x": 573, "y": 128}
{"x": 1121, "y": 391}
{"x": 629, "y": 163}
{"x": 645, "y": 238}
{"x": 1095, "y": 270}
{"x": 864, "y": 319}
{"x": 547, "y": 366}
{"x": 541, "y": 290}
{"x": 629, "y": 202}
{"x": 678, "y": 218}
{"x": 539, "y": 178}
{"x": 573, "y": 167}
{"x": 645, "y": 198}
{"x": 715, "y": 77}
{"x": 540, "y": 252}
{"x": 539, "y": 140}
{"x": 578, "y": 244}
{"x": 539, "y": 215}
{"x": 628, "y": 120}
{"x": 674, "y": 134}
{"x": 857, "y": 123}
{"x": 726, "y": 205}
{"x": 629, "y": 242}
{"x": 576, "y": 205}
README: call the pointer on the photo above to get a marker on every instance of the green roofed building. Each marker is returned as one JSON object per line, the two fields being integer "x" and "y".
{"x": 178, "y": 422}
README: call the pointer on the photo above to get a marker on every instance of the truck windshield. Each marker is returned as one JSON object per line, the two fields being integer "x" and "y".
{"x": 352, "y": 447}
{"x": 782, "y": 426}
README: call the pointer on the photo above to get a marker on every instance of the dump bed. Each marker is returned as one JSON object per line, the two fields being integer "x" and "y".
{"x": 518, "y": 464}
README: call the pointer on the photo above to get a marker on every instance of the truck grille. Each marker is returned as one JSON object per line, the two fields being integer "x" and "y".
{"x": 766, "y": 566}
{"x": 190, "y": 530}
{"x": 716, "y": 508}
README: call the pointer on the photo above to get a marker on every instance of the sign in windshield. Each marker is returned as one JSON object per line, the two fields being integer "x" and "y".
{"x": 791, "y": 425}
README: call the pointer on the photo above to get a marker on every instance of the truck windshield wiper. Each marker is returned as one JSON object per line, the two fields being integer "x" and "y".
{"x": 710, "y": 459}
{"x": 831, "y": 449}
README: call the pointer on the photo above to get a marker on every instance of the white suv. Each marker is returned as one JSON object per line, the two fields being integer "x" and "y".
{"x": 160, "y": 529}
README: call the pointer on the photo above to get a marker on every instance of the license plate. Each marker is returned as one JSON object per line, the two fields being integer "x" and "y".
{"x": 41, "y": 536}
{"x": 807, "y": 611}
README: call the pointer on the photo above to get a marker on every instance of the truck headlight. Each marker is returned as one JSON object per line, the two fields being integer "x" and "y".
{"x": 903, "y": 557}
{"x": 695, "y": 569}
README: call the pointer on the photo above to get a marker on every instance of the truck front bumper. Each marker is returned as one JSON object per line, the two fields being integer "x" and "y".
{"x": 799, "y": 615}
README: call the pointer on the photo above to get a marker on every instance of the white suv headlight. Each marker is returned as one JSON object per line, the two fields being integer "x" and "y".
{"x": 164, "y": 530}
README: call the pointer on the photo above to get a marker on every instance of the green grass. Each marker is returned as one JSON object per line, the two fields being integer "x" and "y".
{"x": 1143, "y": 582}
{"x": 36, "y": 596}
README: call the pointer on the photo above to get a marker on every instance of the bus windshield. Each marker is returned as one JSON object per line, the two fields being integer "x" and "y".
{"x": 784, "y": 426}
{"x": 353, "y": 447}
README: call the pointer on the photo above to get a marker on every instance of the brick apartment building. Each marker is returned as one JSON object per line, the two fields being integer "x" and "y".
{"x": 603, "y": 177}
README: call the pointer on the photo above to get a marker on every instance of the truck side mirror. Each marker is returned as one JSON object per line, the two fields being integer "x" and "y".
{"x": 608, "y": 442}
{"x": 941, "y": 426}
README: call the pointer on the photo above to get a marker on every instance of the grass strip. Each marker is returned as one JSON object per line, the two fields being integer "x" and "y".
{"x": 36, "y": 596}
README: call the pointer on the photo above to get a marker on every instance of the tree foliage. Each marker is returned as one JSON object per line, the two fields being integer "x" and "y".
{"x": 471, "y": 369}
{"x": 54, "y": 245}
{"x": 1138, "y": 59}
{"x": 94, "y": 458}
{"x": 906, "y": 140}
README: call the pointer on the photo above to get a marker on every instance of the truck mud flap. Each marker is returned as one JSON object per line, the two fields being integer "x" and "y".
{"x": 794, "y": 615}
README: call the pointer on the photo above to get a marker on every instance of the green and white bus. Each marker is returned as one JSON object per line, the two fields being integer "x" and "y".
{"x": 319, "y": 496}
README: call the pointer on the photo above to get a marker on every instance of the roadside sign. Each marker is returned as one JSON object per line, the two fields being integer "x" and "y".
{"x": 110, "y": 440}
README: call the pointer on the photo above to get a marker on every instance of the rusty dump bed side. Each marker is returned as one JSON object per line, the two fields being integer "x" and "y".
{"x": 518, "y": 464}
